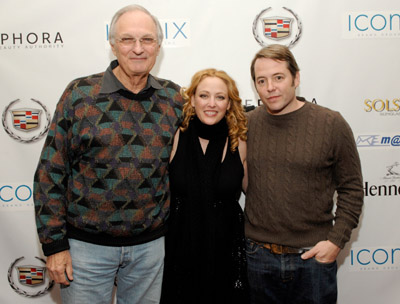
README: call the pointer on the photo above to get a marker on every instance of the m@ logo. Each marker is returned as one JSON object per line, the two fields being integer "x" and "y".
{"x": 375, "y": 140}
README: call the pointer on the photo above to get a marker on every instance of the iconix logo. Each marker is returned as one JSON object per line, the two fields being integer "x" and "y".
{"x": 15, "y": 193}
{"x": 378, "y": 141}
{"x": 371, "y": 25}
{"x": 375, "y": 259}
{"x": 176, "y": 32}
{"x": 14, "y": 196}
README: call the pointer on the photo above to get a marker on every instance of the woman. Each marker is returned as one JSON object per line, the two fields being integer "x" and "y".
{"x": 205, "y": 246}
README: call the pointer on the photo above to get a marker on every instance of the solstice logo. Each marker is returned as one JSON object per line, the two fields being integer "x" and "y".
{"x": 385, "y": 107}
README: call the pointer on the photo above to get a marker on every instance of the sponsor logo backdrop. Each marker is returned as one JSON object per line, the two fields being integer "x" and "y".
{"x": 348, "y": 54}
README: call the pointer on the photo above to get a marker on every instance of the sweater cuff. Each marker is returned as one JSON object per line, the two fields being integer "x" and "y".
{"x": 55, "y": 247}
{"x": 339, "y": 237}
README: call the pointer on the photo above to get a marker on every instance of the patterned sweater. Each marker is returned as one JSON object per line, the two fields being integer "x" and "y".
{"x": 296, "y": 162}
{"x": 102, "y": 175}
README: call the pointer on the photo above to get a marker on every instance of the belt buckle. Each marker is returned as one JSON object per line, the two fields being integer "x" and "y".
{"x": 277, "y": 249}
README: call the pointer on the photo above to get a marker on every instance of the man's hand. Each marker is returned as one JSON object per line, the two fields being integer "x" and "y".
{"x": 59, "y": 265}
{"x": 325, "y": 252}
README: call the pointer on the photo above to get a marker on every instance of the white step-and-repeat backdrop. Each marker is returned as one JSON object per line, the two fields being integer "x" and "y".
{"x": 348, "y": 52}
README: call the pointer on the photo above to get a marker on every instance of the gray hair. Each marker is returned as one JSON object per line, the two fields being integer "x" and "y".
{"x": 130, "y": 8}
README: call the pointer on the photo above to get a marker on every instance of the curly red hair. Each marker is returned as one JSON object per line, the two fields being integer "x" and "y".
{"x": 235, "y": 118}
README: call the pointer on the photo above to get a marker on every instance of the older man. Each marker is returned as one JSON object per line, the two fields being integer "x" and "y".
{"x": 101, "y": 188}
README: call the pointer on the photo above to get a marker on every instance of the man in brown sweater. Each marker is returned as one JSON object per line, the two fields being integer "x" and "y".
{"x": 299, "y": 154}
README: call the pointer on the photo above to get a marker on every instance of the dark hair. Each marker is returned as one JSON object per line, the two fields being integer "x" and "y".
{"x": 276, "y": 52}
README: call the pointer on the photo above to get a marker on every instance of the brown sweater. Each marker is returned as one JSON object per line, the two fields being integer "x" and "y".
{"x": 296, "y": 162}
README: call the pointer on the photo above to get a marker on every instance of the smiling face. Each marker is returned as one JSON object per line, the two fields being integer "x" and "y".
{"x": 276, "y": 86}
{"x": 135, "y": 59}
{"x": 211, "y": 100}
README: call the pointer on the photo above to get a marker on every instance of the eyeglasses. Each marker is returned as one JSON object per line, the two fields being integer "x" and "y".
{"x": 130, "y": 41}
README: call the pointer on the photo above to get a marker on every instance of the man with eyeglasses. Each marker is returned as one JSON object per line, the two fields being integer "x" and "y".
{"x": 101, "y": 186}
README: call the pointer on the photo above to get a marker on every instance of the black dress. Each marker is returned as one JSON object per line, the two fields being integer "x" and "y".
{"x": 205, "y": 258}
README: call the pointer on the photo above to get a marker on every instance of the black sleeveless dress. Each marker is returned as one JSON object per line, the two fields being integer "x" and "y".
{"x": 205, "y": 259}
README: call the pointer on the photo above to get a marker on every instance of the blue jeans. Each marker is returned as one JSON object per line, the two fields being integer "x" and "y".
{"x": 287, "y": 278}
{"x": 138, "y": 270}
